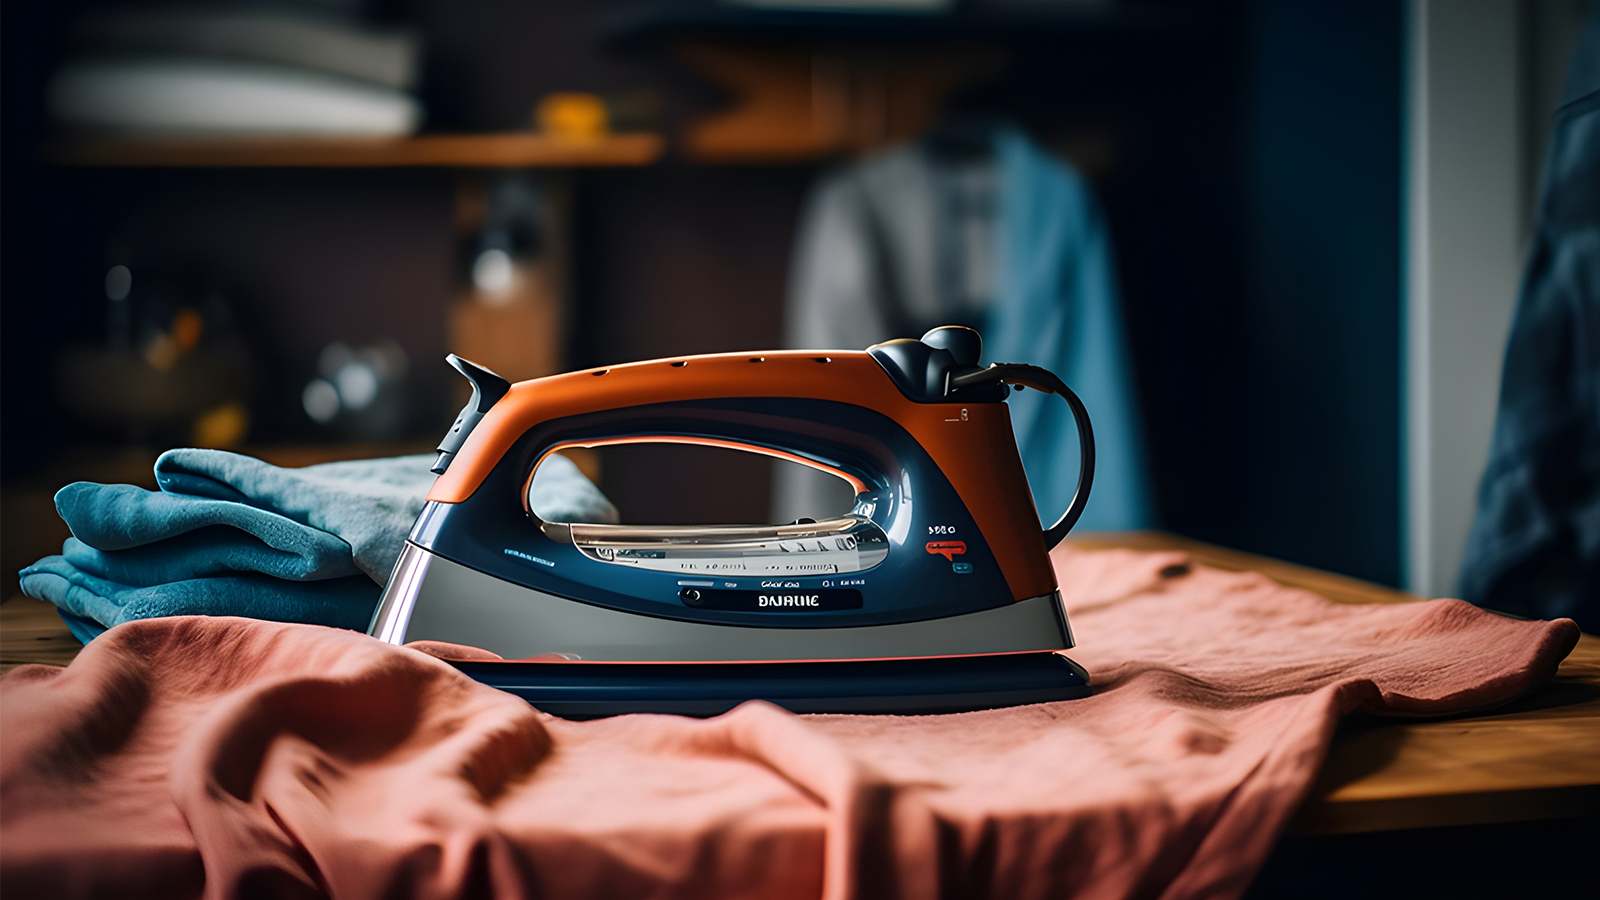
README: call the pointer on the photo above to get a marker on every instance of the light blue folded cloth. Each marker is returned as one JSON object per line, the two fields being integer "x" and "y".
{"x": 228, "y": 534}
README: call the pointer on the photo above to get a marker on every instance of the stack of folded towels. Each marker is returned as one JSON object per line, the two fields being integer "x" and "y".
{"x": 227, "y": 534}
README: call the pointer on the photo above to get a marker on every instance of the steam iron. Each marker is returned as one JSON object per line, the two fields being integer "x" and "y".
{"x": 933, "y": 594}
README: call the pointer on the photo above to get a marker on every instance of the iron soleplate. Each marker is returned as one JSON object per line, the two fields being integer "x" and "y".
{"x": 590, "y": 690}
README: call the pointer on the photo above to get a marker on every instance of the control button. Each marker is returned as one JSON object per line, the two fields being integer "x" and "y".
{"x": 690, "y": 596}
{"x": 919, "y": 371}
{"x": 947, "y": 549}
{"x": 963, "y": 344}
{"x": 923, "y": 370}
{"x": 961, "y": 568}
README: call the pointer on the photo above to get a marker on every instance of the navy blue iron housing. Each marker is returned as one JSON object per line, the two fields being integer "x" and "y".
{"x": 907, "y": 494}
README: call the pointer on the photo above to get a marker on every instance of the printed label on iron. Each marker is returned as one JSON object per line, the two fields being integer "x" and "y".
{"x": 806, "y": 600}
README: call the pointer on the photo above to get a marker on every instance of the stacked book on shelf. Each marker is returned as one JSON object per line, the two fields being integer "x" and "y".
{"x": 285, "y": 69}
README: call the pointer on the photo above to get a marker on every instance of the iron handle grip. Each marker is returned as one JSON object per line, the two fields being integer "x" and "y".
{"x": 1041, "y": 379}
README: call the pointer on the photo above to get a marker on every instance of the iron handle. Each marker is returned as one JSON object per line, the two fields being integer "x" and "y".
{"x": 1040, "y": 379}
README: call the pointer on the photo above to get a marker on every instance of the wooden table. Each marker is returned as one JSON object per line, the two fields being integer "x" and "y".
{"x": 1535, "y": 760}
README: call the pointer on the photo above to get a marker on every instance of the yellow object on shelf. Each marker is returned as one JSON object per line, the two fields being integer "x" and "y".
{"x": 570, "y": 114}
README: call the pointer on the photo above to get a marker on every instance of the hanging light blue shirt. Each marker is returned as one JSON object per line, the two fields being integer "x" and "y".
{"x": 872, "y": 263}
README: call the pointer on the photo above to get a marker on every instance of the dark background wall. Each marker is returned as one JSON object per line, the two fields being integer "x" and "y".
{"x": 1321, "y": 361}
{"x": 1248, "y": 156}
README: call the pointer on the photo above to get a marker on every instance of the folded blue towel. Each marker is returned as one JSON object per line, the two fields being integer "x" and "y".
{"x": 231, "y": 535}
{"x": 90, "y": 604}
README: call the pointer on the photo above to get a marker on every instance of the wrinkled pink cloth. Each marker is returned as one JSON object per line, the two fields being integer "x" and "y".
{"x": 226, "y": 756}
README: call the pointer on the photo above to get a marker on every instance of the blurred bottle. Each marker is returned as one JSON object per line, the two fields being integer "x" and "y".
{"x": 509, "y": 314}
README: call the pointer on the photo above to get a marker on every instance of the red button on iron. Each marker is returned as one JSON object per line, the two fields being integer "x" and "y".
{"x": 947, "y": 549}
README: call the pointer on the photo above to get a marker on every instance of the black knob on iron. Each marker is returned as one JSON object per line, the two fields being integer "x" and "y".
{"x": 487, "y": 389}
{"x": 963, "y": 344}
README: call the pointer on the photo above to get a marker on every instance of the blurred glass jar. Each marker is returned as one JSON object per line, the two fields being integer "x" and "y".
{"x": 359, "y": 391}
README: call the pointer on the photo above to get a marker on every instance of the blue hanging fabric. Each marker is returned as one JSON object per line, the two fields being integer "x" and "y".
{"x": 1058, "y": 306}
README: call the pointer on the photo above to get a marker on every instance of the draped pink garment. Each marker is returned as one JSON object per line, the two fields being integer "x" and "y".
{"x": 222, "y": 756}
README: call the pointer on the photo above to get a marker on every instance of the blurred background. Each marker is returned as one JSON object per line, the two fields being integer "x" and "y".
{"x": 261, "y": 224}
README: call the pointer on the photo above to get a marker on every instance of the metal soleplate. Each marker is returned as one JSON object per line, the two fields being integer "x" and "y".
{"x": 904, "y": 686}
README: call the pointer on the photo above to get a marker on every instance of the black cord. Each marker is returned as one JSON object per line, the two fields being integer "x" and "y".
{"x": 1045, "y": 380}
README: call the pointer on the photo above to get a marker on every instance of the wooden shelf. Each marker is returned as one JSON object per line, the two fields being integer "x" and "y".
{"x": 505, "y": 150}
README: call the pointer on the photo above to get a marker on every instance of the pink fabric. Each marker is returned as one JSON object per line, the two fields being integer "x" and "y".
{"x": 225, "y": 756}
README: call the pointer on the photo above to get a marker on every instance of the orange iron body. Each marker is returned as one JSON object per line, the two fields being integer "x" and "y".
{"x": 933, "y": 593}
